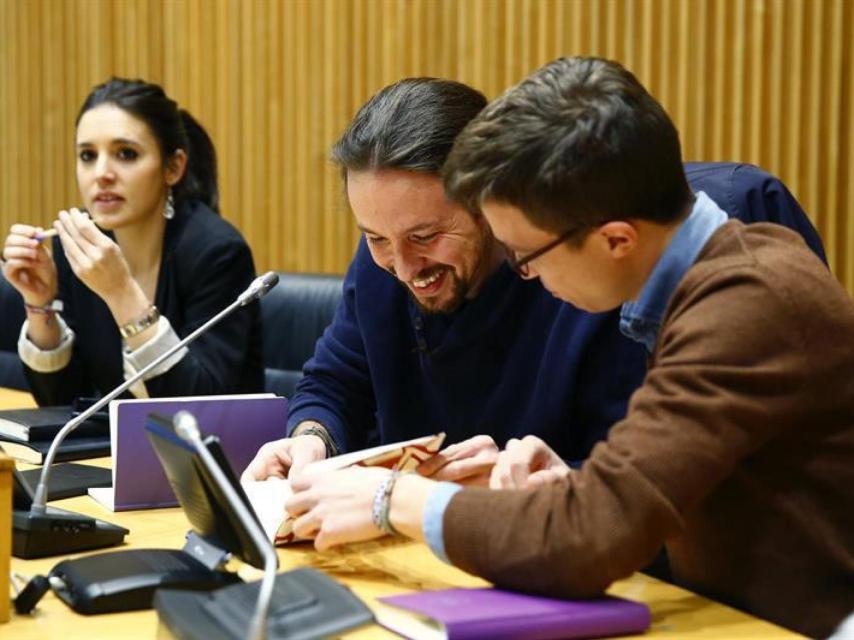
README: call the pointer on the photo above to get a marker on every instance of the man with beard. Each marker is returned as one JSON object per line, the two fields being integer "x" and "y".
{"x": 737, "y": 452}
{"x": 435, "y": 331}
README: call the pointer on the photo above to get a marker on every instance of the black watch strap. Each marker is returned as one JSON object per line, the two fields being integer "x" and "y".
{"x": 323, "y": 434}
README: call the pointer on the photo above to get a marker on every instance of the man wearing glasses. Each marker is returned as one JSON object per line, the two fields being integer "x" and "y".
{"x": 519, "y": 264}
{"x": 435, "y": 331}
{"x": 737, "y": 452}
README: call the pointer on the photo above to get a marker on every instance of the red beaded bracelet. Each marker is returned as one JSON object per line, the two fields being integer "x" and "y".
{"x": 49, "y": 309}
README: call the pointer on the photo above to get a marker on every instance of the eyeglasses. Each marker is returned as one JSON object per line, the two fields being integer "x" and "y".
{"x": 520, "y": 265}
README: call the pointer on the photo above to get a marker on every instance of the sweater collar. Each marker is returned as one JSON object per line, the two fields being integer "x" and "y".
{"x": 488, "y": 306}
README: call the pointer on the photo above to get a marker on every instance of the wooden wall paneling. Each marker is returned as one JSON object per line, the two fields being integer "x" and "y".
{"x": 287, "y": 144}
{"x": 797, "y": 89}
{"x": 714, "y": 74}
{"x": 10, "y": 197}
{"x": 227, "y": 120}
{"x": 776, "y": 71}
{"x": 8, "y": 74}
{"x": 303, "y": 113}
{"x": 274, "y": 138}
{"x": 754, "y": 82}
{"x": 254, "y": 195}
{"x": 345, "y": 233}
{"x": 56, "y": 143}
{"x": 831, "y": 36}
{"x": 813, "y": 107}
{"x": 276, "y": 81}
{"x": 318, "y": 259}
{"x": 332, "y": 96}
{"x": 846, "y": 134}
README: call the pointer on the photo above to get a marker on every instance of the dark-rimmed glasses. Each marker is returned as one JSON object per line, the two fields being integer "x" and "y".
{"x": 520, "y": 265}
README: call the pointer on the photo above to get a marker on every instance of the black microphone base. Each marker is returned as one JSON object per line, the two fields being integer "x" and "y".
{"x": 306, "y": 605}
{"x": 58, "y": 532}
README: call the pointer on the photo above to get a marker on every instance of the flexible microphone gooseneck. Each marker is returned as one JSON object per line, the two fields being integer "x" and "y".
{"x": 258, "y": 288}
{"x": 187, "y": 427}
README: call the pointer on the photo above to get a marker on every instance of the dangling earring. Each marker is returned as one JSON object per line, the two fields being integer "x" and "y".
{"x": 169, "y": 210}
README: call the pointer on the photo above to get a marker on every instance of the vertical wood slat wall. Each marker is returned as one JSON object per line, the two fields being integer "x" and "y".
{"x": 275, "y": 81}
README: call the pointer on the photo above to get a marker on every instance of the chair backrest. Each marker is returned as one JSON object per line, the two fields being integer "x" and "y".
{"x": 750, "y": 194}
{"x": 12, "y": 316}
{"x": 294, "y": 314}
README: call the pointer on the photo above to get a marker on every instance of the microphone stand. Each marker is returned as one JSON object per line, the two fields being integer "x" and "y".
{"x": 187, "y": 428}
{"x": 258, "y": 288}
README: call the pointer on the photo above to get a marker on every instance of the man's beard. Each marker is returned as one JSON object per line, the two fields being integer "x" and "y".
{"x": 461, "y": 290}
{"x": 459, "y": 293}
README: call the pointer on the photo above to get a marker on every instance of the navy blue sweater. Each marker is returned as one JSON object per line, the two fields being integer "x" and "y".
{"x": 515, "y": 360}
{"x": 512, "y": 362}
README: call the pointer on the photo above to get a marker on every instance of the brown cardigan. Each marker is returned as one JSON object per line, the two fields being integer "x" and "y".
{"x": 737, "y": 453}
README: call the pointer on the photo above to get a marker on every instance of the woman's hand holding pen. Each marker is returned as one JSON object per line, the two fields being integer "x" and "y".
{"x": 95, "y": 258}
{"x": 100, "y": 264}
{"x": 28, "y": 265}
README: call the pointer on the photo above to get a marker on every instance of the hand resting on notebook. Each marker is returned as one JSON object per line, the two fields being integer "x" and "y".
{"x": 468, "y": 462}
{"x": 335, "y": 508}
{"x": 284, "y": 458}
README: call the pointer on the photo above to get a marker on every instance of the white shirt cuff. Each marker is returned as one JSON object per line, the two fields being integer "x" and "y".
{"x": 46, "y": 361}
{"x": 163, "y": 340}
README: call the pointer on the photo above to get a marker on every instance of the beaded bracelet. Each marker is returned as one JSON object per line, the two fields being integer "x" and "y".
{"x": 49, "y": 309}
{"x": 382, "y": 504}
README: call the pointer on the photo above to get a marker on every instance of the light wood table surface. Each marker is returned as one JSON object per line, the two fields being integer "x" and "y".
{"x": 370, "y": 570}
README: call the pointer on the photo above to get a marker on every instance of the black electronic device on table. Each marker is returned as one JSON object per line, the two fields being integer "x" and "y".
{"x": 127, "y": 580}
{"x": 306, "y": 603}
{"x": 70, "y": 479}
{"x": 63, "y": 532}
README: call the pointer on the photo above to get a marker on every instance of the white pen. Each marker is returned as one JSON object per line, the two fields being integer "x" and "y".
{"x": 44, "y": 235}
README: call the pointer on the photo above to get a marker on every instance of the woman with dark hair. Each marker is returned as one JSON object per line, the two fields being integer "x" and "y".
{"x": 147, "y": 262}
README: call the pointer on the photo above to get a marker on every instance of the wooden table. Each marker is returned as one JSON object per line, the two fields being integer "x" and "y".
{"x": 370, "y": 569}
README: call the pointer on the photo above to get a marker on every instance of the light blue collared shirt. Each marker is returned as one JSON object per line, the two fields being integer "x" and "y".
{"x": 434, "y": 513}
{"x": 641, "y": 319}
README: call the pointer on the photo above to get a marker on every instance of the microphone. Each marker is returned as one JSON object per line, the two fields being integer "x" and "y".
{"x": 187, "y": 428}
{"x": 258, "y": 288}
{"x": 38, "y": 511}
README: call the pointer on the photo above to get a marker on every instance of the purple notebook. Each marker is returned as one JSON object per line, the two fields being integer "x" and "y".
{"x": 242, "y": 422}
{"x": 462, "y": 614}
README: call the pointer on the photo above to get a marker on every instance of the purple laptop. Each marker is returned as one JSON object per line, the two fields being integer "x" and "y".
{"x": 243, "y": 424}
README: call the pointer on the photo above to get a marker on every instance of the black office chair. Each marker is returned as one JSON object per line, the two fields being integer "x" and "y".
{"x": 750, "y": 194}
{"x": 294, "y": 315}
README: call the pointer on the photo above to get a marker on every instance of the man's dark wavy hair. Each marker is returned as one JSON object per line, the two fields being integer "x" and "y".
{"x": 578, "y": 143}
{"x": 409, "y": 125}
